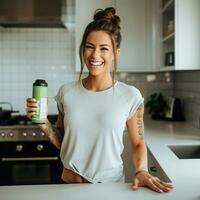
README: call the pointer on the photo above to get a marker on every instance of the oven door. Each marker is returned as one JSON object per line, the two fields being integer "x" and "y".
{"x": 29, "y": 167}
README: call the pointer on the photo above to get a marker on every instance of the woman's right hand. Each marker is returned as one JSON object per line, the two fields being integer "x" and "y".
{"x": 31, "y": 107}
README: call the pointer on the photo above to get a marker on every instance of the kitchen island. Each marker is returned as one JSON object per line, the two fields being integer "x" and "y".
{"x": 159, "y": 135}
{"x": 100, "y": 191}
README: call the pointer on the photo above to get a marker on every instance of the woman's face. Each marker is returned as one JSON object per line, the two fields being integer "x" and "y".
{"x": 98, "y": 53}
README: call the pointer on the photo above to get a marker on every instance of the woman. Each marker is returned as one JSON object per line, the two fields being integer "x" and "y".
{"x": 94, "y": 111}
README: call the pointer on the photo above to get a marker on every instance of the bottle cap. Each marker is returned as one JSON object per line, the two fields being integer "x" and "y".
{"x": 40, "y": 82}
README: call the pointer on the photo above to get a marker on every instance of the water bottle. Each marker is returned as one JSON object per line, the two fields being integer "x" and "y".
{"x": 40, "y": 89}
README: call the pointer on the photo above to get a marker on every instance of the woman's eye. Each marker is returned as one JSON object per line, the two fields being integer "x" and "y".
{"x": 104, "y": 49}
{"x": 88, "y": 47}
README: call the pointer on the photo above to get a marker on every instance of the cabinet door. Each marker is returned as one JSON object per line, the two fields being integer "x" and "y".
{"x": 129, "y": 169}
{"x": 134, "y": 29}
{"x": 84, "y": 14}
{"x": 187, "y": 40}
{"x": 155, "y": 169}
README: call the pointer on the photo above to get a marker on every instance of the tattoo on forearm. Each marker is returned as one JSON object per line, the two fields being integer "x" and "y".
{"x": 59, "y": 133}
{"x": 140, "y": 122}
{"x": 55, "y": 134}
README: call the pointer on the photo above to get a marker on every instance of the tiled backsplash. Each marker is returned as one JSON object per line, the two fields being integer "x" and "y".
{"x": 29, "y": 54}
{"x": 149, "y": 83}
{"x": 187, "y": 87}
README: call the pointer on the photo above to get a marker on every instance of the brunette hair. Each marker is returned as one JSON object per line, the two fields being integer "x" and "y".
{"x": 103, "y": 20}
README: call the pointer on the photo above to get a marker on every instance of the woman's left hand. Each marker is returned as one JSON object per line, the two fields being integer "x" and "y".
{"x": 144, "y": 179}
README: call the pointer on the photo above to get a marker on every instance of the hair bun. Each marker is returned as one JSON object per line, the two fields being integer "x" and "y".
{"x": 107, "y": 14}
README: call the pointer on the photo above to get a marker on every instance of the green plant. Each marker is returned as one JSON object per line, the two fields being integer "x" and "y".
{"x": 157, "y": 106}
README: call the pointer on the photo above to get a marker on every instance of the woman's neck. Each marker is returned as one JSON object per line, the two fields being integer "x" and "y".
{"x": 97, "y": 83}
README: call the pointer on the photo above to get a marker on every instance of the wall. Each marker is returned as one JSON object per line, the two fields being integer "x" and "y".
{"x": 149, "y": 83}
{"x": 28, "y": 54}
{"x": 187, "y": 87}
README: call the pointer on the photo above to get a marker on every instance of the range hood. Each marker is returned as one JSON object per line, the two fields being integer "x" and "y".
{"x": 31, "y": 13}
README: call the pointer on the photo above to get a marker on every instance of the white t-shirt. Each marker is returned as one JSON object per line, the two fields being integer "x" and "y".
{"x": 94, "y": 123}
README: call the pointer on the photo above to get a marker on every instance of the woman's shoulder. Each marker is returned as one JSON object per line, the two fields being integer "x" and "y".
{"x": 130, "y": 93}
{"x": 128, "y": 90}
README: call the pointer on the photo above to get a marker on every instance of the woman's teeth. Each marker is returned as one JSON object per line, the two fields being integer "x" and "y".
{"x": 96, "y": 64}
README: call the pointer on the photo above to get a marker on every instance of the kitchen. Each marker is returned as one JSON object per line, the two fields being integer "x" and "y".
{"x": 27, "y": 54}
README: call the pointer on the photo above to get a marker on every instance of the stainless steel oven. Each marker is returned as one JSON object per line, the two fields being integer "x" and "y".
{"x": 27, "y": 157}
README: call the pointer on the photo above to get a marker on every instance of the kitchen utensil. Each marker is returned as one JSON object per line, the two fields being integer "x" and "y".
{"x": 175, "y": 112}
{"x": 6, "y": 114}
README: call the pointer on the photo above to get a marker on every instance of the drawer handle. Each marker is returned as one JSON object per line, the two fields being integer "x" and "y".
{"x": 153, "y": 169}
{"x": 29, "y": 159}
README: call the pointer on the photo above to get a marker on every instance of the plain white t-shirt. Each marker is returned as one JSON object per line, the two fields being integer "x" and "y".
{"x": 94, "y": 123}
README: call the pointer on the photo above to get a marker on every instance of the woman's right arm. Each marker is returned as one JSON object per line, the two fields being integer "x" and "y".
{"x": 55, "y": 132}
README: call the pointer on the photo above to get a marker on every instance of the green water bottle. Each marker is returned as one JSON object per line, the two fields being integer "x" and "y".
{"x": 40, "y": 88}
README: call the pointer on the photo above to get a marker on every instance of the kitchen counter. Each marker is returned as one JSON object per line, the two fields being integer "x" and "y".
{"x": 161, "y": 134}
{"x": 184, "y": 174}
{"x": 99, "y": 191}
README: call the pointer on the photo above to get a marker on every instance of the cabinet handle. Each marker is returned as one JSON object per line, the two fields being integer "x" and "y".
{"x": 153, "y": 169}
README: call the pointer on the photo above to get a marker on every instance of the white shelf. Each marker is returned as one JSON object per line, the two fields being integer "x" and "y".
{"x": 166, "y": 68}
{"x": 168, "y": 37}
{"x": 167, "y": 5}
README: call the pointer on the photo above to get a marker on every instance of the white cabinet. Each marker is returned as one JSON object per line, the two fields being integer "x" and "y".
{"x": 84, "y": 12}
{"x": 187, "y": 42}
{"x": 135, "y": 48}
{"x": 184, "y": 40}
{"x": 168, "y": 33}
{"x": 135, "y": 28}
{"x": 155, "y": 169}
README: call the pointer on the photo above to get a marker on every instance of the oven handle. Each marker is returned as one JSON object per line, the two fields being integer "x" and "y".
{"x": 29, "y": 159}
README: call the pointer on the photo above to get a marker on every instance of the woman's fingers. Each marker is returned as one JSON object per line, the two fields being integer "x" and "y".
{"x": 148, "y": 183}
{"x": 165, "y": 187}
{"x": 166, "y": 184}
{"x": 154, "y": 183}
{"x": 153, "y": 186}
{"x": 31, "y": 107}
{"x": 31, "y": 102}
{"x": 135, "y": 185}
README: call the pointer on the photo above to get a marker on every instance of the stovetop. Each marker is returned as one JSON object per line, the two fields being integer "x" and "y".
{"x": 16, "y": 120}
{"x": 23, "y": 120}
{"x": 20, "y": 128}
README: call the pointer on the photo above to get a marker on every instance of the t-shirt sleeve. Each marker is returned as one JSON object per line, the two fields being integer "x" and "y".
{"x": 59, "y": 99}
{"x": 136, "y": 100}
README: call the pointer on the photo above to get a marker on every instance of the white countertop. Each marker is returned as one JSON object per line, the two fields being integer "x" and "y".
{"x": 185, "y": 174}
{"x": 160, "y": 134}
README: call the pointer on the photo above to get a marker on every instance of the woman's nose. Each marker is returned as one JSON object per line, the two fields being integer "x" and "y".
{"x": 95, "y": 53}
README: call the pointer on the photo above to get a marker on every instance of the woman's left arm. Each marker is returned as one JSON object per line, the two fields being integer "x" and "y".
{"x": 142, "y": 177}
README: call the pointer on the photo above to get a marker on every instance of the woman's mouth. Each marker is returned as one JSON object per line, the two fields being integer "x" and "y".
{"x": 96, "y": 64}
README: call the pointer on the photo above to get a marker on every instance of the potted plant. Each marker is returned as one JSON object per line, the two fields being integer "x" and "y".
{"x": 157, "y": 106}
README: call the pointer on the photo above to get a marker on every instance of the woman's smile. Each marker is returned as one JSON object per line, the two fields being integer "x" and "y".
{"x": 96, "y": 64}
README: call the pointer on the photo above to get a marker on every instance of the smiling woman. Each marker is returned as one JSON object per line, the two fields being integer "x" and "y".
{"x": 94, "y": 111}
{"x": 103, "y": 37}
